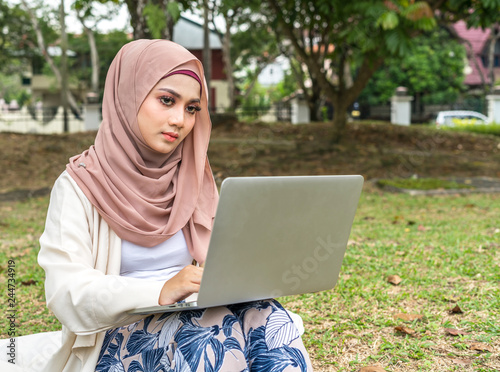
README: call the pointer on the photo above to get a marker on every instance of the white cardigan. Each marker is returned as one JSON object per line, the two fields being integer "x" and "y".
{"x": 81, "y": 257}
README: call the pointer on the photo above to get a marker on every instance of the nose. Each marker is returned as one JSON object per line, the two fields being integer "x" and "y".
{"x": 176, "y": 117}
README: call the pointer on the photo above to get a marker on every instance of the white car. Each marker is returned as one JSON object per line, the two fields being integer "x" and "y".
{"x": 459, "y": 118}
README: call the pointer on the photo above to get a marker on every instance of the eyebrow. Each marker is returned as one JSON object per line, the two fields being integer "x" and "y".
{"x": 171, "y": 91}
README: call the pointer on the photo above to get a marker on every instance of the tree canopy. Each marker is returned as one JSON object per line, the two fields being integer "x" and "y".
{"x": 342, "y": 44}
{"x": 434, "y": 69}
{"x": 335, "y": 47}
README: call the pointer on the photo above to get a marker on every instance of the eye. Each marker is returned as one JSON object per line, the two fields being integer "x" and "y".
{"x": 167, "y": 101}
{"x": 192, "y": 109}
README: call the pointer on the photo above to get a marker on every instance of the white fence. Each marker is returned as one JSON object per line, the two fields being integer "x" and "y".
{"x": 38, "y": 120}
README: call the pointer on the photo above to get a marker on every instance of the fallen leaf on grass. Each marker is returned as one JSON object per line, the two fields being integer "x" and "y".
{"x": 372, "y": 369}
{"x": 24, "y": 252}
{"x": 394, "y": 279}
{"x": 479, "y": 346}
{"x": 455, "y": 332}
{"x": 462, "y": 362}
{"x": 421, "y": 228}
{"x": 397, "y": 219}
{"x": 408, "y": 317}
{"x": 405, "y": 330}
{"x": 28, "y": 282}
{"x": 456, "y": 310}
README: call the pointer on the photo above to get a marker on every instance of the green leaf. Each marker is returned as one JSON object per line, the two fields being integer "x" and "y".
{"x": 426, "y": 24}
{"x": 393, "y": 41}
{"x": 388, "y": 20}
{"x": 155, "y": 19}
{"x": 174, "y": 10}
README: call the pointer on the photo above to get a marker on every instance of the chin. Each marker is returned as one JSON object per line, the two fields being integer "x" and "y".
{"x": 166, "y": 149}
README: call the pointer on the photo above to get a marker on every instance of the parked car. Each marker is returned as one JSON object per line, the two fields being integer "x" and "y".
{"x": 459, "y": 117}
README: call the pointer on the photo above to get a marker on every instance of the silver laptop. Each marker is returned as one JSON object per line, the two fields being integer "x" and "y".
{"x": 275, "y": 236}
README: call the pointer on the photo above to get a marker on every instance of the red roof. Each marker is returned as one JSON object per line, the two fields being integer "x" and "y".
{"x": 477, "y": 38}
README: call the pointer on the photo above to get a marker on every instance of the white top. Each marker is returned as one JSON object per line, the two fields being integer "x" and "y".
{"x": 160, "y": 262}
{"x": 81, "y": 256}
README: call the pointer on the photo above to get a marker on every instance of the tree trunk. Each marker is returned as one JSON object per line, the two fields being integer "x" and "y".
{"x": 94, "y": 57}
{"x": 225, "y": 39}
{"x": 137, "y": 19}
{"x": 228, "y": 66}
{"x": 207, "y": 51}
{"x": 344, "y": 97}
{"x": 64, "y": 68}
{"x": 41, "y": 45}
{"x": 339, "y": 123}
{"x": 419, "y": 112}
{"x": 168, "y": 31}
{"x": 494, "y": 36}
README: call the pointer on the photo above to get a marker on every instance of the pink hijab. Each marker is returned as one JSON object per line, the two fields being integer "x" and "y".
{"x": 145, "y": 196}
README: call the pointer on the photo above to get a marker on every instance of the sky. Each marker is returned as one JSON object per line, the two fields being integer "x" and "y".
{"x": 73, "y": 24}
{"x": 120, "y": 22}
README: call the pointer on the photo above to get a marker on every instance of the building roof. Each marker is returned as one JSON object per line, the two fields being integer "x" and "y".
{"x": 478, "y": 39}
{"x": 476, "y": 36}
{"x": 189, "y": 34}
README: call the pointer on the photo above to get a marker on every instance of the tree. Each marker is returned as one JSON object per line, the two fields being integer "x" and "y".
{"x": 107, "y": 46}
{"x": 253, "y": 47}
{"x": 492, "y": 48}
{"x": 230, "y": 13}
{"x": 154, "y": 19}
{"x": 245, "y": 52}
{"x": 42, "y": 48}
{"x": 433, "y": 72}
{"x": 85, "y": 12}
{"x": 15, "y": 31}
{"x": 342, "y": 44}
{"x": 207, "y": 50}
{"x": 64, "y": 66}
{"x": 15, "y": 52}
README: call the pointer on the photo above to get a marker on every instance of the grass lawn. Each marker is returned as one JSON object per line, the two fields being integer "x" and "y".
{"x": 444, "y": 249}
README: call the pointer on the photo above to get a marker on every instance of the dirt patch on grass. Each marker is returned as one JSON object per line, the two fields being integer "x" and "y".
{"x": 29, "y": 161}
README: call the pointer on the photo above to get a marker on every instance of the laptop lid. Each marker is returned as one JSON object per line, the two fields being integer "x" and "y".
{"x": 276, "y": 236}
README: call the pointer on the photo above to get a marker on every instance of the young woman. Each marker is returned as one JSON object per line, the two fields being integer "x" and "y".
{"x": 125, "y": 222}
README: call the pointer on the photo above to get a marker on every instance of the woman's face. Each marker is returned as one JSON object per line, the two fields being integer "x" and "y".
{"x": 168, "y": 113}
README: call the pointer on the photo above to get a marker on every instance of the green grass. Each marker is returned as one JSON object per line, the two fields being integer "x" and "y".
{"x": 446, "y": 249}
{"x": 422, "y": 183}
{"x": 492, "y": 128}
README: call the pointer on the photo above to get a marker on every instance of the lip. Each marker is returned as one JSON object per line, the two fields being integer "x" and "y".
{"x": 170, "y": 136}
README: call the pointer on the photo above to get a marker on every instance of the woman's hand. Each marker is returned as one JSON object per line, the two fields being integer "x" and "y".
{"x": 184, "y": 283}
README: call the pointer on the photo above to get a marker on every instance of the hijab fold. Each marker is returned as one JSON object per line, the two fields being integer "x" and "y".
{"x": 146, "y": 196}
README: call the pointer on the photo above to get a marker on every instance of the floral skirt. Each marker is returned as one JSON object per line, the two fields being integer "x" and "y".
{"x": 254, "y": 336}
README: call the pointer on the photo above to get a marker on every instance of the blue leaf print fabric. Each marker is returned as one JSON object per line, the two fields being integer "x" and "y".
{"x": 252, "y": 337}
